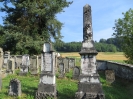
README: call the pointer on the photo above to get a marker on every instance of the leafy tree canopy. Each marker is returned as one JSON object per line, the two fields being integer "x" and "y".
{"x": 124, "y": 31}
{"x": 29, "y": 23}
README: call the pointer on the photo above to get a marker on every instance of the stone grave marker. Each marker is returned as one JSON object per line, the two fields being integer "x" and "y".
{"x": 14, "y": 88}
{"x": 71, "y": 62}
{"x": 66, "y": 64}
{"x": 89, "y": 86}
{"x": 6, "y": 58}
{"x": 1, "y": 58}
{"x": 47, "y": 84}
{"x": 19, "y": 60}
{"x": 110, "y": 76}
{"x": 76, "y": 72}
{"x": 10, "y": 66}
{"x": 34, "y": 67}
{"x": 24, "y": 67}
{"x": 61, "y": 70}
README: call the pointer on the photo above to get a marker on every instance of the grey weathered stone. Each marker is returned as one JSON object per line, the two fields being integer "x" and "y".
{"x": 47, "y": 84}
{"x": 24, "y": 67}
{"x": 61, "y": 70}
{"x": 10, "y": 66}
{"x": 6, "y": 58}
{"x": 110, "y": 76}
{"x": 14, "y": 88}
{"x": 1, "y": 58}
{"x": 34, "y": 67}
{"x": 66, "y": 64}
{"x": 71, "y": 62}
{"x": 76, "y": 73}
{"x": 89, "y": 86}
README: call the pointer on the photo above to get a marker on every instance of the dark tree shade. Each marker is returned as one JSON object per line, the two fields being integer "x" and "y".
{"x": 31, "y": 22}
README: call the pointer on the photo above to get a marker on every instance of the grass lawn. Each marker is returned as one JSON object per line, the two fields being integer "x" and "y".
{"x": 120, "y": 89}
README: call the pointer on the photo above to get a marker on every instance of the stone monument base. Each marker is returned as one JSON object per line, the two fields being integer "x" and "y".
{"x": 46, "y": 91}
{"x": 88, "y": 90}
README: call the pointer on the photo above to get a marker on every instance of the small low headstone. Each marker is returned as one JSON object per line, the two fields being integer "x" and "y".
{"x": 110, "y": 76}
{"x": 61, "y": 70}
{"x": 76, "y": 72}
{"x": 10, "y": 66}
{"x": 14, "y": 88}
{"x": 24, "y": 68}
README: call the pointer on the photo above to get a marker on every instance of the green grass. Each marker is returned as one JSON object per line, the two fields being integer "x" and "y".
{"x": 66, "y": 87}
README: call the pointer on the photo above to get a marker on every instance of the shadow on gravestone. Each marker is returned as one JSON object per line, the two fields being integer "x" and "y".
{"x": 76, "y": 72}
{"x": 14, "y": 88}
{"x": 110, "y": 76}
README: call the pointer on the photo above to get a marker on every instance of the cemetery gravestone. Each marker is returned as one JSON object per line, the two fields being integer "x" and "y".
{"x": 19, "y": 60}
{"x": 11, "y": 66}
{"x": 71, "y": 62}
{"x": 47, "y": 84}
{"x": 76, "y": 72}
{"x": 14, "y": 88}
{"x": 24, "y": 68}
{"x": 1, "y": 58}
{"x": 61, "y": 70}
{"x": 110, "y": 76}
{"x": 66, "y": 64}
{"x": 6, "y": 58}
{"x": 34, "y": 68}
{"x": 89, "y": 86}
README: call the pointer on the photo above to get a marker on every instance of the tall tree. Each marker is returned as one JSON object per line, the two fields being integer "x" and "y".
{"x": 31, "y": 22}
{"x": 124, "y": 31}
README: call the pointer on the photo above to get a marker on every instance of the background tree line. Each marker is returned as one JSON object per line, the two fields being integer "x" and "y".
{"x": 109, "y": 45}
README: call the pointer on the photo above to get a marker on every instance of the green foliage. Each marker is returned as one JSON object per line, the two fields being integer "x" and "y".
{"x": 124, "y": 31}
{"x": 29, "y": 23}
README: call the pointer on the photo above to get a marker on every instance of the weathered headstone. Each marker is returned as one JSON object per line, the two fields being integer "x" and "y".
{"x": 10, "y": 66}
{"x": 61, "y": 70}
{"x": 1, "y": 58}
{"x": 110, "y": 76}
{"x": 14, "y": 88}
{"x": 66, "y": 64}
{"x": 89, "y": 86}
{"x": 76, "y": 72}
{"x": 34, "y": 67}
{"x": 6, "y": 58}
{"x": 71, "y": 62}
{"x": 19, "y": 61}
{"x": 24, "y": 68}
{"x": 47, "y": 84}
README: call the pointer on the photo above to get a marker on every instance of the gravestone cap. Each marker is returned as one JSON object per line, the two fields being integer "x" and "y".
{"x": 47, "y": 47}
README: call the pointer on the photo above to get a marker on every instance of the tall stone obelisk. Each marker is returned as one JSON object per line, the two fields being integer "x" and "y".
{"x": 89, "y": 86}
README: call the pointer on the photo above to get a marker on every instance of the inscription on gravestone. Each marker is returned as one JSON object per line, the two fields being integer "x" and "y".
{"x": 47, "y": 84}
{"x": 89, "y": 86}
{"x": 14, "y": 88}
{"x": 76, "y": 72}
{"x": 61, "y": 70}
